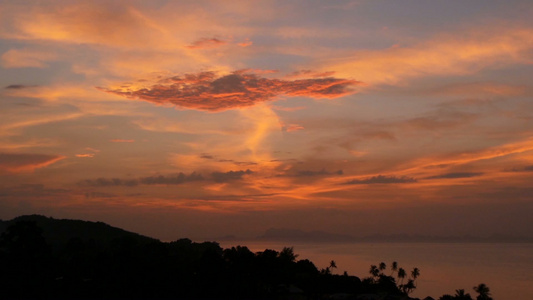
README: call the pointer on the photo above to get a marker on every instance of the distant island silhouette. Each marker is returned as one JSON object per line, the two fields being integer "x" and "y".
{"x": 287, "y": 234}
{"x": 46, "y": 258}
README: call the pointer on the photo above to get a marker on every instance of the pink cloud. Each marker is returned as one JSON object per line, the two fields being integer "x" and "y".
{"x": 209, "y": 92}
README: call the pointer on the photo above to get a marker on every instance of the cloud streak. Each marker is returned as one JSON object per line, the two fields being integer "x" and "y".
{"x": 20, "y": 162}
{"x": 121, "y": 141}
{"x": 25, "y": 58}
{"x": 381, "y": 179}
{"x": 18, "y": 86}
{"x": 456, "y": 175}
{"x": 180, "y": 178}
{"x": 150, "y": 180}
{"x": 207, "y": 43}
{"x": 229, "y": 176}
{"x": 443, "y": 55}
{"x": 208, "y": 92}
{"x": 309, "y": 173}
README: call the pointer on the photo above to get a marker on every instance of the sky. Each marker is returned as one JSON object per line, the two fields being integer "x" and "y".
{"x": 203, "y": 119}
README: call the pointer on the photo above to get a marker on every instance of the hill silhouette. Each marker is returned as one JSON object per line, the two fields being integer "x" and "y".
{"x": 46, "y": 258}
{"x": 57, "y": 232}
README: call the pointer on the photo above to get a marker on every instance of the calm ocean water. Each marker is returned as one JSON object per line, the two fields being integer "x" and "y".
{"x": 507, "y": 269}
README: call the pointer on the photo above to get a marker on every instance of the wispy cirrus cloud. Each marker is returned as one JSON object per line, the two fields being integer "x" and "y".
{"x": 473, "y": 156}
{"x": 456, "y": 54}
{"x": 209, "y": 92}
{"x": 26, "y": 58}
{"x": 21, "y": 162}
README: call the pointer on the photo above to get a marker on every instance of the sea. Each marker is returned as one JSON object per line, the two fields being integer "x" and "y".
{"x": 506, "y": 268}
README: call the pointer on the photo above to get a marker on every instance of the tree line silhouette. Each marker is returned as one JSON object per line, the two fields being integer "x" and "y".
{"x": 136, "y": 267}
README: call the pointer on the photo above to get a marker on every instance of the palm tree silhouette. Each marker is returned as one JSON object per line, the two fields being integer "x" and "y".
{"x": 394, "y": 267}
{"x": 382, "y": 266}
{"x": 415, "y": 273}
{"x": 409, "y": 286}
{"x": 483, "y": 291}
{"x": 374, "y": 271}
{"x": 401, "y": 274}
{"x": 461, "y": 295}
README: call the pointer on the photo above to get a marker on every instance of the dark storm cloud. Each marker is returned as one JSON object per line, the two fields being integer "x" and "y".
{"x": 456, "y": 175}
{"x": 208, "y": 92}
{"x": 380, "y": 179}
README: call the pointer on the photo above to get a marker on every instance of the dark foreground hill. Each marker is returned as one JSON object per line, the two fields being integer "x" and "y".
{"x": 45, "y": 258}
{"x": 57, "y": 232}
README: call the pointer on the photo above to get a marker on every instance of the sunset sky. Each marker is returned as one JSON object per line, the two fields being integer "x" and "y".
{"x": 203, "y": 119}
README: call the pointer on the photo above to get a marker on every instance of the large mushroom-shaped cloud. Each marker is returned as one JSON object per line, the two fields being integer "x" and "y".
{"x": 209, "y": 92}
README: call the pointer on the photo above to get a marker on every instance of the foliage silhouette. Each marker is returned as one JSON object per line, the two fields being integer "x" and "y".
{"x": 115, "y": 264}
{"x": 43, "y": 258}
{"x": 483, "y": 291}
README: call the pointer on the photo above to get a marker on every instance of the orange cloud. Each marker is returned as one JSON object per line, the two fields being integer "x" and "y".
{"x": 206, "y": 91}
{"x": 207, "y": 43}
{"x": 88, "y": 155}
{"x": 21, "y": 162}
